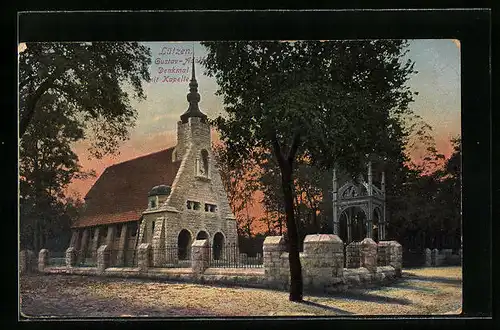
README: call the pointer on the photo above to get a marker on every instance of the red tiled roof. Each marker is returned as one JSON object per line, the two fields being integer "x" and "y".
{"x": 121, "y": 192}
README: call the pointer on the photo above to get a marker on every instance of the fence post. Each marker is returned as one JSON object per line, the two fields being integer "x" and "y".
{"x": 322, "y": 259}
{"x": 396, "y": 257}
{"x": 143, "y": 257}
{"x": 70, "y": 257}
{"x": 43, "y": 258}
{"x": 26, "y": 261}
{"x": 200, "y": 256}
{"x": 428, "y": 257}
{"x": 434, "y": 257}
{"x": 272, "y": 248}
{"x": 102, "y": 258}
{"x": 368, "y": 254}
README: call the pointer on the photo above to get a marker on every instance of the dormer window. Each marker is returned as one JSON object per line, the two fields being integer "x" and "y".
{"x": 152, "y": 204}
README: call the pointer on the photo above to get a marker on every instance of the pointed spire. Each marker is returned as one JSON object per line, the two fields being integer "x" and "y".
{"x": 193, "y": 98}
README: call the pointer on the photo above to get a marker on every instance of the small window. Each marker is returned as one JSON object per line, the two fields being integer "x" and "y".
{"x": 210, "y": 207}
{"x": 189, "y": 205}
{"x": 197, "y": 206}
{"x": 118, "y": 230}
{"x": 153, "y": 204}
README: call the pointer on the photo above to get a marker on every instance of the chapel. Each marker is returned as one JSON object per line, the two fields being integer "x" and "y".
{"x": 168, "y": 199}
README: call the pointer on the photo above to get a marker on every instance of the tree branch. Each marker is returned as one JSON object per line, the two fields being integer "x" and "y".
{"x": 31, "y": 104}
{"x": 277, "y": 150}
{"x": 293, "y": 148}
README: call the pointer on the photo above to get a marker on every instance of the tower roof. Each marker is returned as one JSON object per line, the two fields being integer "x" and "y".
{"x": 193, "y": 98}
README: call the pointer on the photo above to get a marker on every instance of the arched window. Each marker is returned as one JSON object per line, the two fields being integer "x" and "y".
{"x": 204, "y": 163}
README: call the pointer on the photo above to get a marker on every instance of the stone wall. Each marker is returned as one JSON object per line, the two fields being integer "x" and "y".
{"x": 444, "y": 257}
{"x": 322, "y": 265}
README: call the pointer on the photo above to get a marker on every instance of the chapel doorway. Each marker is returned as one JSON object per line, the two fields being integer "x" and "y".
{"x": 217, "y": 246}
{"x": 184, "y": 245}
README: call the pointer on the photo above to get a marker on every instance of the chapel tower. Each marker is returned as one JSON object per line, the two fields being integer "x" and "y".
{"x": 193, "y": 128}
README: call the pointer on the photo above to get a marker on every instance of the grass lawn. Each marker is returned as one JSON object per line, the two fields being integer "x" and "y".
{"x": 421, "y": 291}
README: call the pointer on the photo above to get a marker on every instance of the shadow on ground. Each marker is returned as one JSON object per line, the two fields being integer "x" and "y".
{"x": 438, "y": 279}
{"x": 329, "y": 308}
{"x": 364, "y": 296}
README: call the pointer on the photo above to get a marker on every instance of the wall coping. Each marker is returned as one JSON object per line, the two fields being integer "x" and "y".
{"x": 322, "y": 238}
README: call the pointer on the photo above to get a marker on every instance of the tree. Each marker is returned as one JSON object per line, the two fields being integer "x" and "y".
{"x": 93, "y": 78}
{"x": 329, "y": 102}
{"x": 69, "y": 92}
{"x": 47, "y": 165}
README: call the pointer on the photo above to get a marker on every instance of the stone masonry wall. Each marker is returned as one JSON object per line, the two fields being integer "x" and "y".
{"x": 383, "y": 253}
{"x": 322, "y": 266}
{"x": 322, "y": 261}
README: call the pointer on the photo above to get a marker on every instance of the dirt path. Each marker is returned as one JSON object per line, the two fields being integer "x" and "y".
{"x": 421, "y": 291}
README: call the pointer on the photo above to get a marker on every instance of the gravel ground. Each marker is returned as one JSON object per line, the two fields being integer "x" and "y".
{"x": 420, "y": 292}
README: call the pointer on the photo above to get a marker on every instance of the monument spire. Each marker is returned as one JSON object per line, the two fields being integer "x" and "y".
{"x": 193, "y": 97}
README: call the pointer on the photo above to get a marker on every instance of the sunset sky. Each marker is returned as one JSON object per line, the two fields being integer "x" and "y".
{"x": 438, "y": 102}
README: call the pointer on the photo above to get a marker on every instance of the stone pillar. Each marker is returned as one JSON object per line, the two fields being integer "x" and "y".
{"x": 434, "y": 257}
{"x": 143, "y": 258}
{"x": 74, "y": 238}
{"x": 322, "y": 260}
{"x": 102, "y": 258}
{"x": 43, "y": 259}
{"x": 428, "y": 257}
{"x": 122, "y": 245}
{"x": 110, "y": 236}
{"x": 84, "y": 245}
{"x": 95, "y": 242}
{"x": 349, "y": 229}
{"x": 368, "y": 254}
{"x": 447, "y": 256}
{"x": 272, "y": 248}
{"x": 27, "y": 261}
{"x": 23, "y": 262}
{"x": 76, "y": 244}
{"x": 383, "y": 253}
{"x": 396, "y": 257}
{"x": 200, "y": 255}
{"x": 70, "y": 257}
